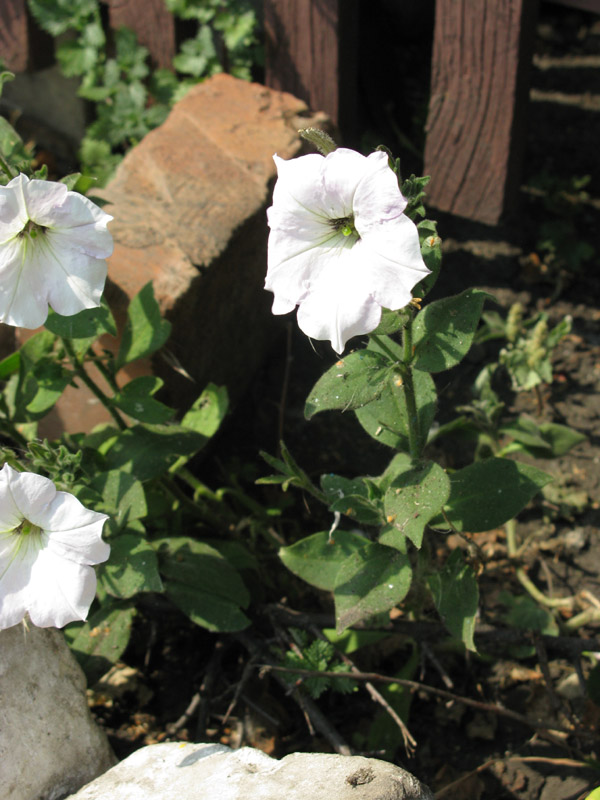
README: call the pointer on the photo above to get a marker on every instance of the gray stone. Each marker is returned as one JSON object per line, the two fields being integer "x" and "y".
{"x": 173, "y": 771}
{"x": 49, "y": 743}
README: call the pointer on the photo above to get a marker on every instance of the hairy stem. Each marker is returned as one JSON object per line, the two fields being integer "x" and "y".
{"x": 96, "y": 390}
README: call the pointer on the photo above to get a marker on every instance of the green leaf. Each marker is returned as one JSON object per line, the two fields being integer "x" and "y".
{"x": 370, "y": 581}
{"x": 203, "y": 584}
{"x": 391, "y": 321}
{"x": 456, "y": 597}
{"x": 431, "y": 250}
{"x": 100, "y": 642}
{"x": 488, "y": 493}
{"x": 317, "y": 558}
{"x": 443, "y": 331}
{"x": 351, "y": 383}
{"x": 91, "y": 322}
{"x": 145, "y": 331}
{"x": 351, "y": 497}
{"x": 136, "y": 400}
{"x": 132, "y": 567}
{"x": 414, "y": 497}
{"x": 123, "y": 496}
{"x": 208, "y": 411}
{"x": 148, "y": 451}
{"x": 10, "y": 365}
{"x": 386, "y": 419}
{"x": 546, "y": 440}
{"x": 524, "y": 613}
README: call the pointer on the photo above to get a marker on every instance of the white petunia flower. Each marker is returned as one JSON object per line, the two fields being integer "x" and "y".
{"x": 48, "y": 542}
{"x": 340, "y": 247}
{"x": 53, "y": 246}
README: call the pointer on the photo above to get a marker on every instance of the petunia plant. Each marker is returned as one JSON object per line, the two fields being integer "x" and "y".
{"x": 349, "y": 245}
{"x": 91, "y": 523}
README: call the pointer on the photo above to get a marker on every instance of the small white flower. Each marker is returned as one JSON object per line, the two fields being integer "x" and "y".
{"x": 53, "y": 246}
{"x": 340, "y": 247}
{"x": 48, "y": 542}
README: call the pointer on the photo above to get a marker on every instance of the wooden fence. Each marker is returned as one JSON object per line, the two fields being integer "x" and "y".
{"x": 479, "y": 87}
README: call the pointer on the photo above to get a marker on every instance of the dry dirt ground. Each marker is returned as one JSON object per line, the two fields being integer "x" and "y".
{"x": 178, "y": 681}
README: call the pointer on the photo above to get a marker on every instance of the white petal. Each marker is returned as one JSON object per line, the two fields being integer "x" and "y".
{"x": 71, "y": 279}
{"x": 299, "y": 183}
{"x": 301, "y": 265}
{"x": 22, "y": 295}
{"x": 378, "y": 197}
{"x": 93, "y": 239}
{"x": 339, "y": 306}
{"x": 42, "y": 199}
{"x": 74, "y": 531}
{"x": 15, "y": 576}
{"x": 13, "y": 215}
{"x": 392, "y": 255}
{"x": 10, "y": 515}
{"x": 59, "y": 591}
{"x": 343, "y": 172}
{"x": 31, "y": 493}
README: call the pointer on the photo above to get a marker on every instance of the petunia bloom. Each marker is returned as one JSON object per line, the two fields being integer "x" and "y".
{"x": 48, "y": 542}
{"x": 53, "y": 246}
{"x": 340, "y": 247}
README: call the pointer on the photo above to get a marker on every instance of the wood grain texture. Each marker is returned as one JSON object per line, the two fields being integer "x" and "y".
{"x": 309, "y": 48}
{"x": 479, "y": 90}
{"x": 14, "y": 44}
{"x": 153, "y": 24}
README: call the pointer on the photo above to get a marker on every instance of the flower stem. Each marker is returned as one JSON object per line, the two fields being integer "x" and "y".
{"x": 85, "y": 378}
{"x": 383, "y": 347}
{"x": 409, "y": 393}
{"x": 5, "y": 168}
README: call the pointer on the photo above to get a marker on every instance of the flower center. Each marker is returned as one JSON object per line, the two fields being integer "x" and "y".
{"x": 32, "y": 229}
{"x": 26, "y": 528}
{"x": 345, "y": 226}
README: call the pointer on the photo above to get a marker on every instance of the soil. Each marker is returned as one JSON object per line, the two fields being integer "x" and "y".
{"x": 177, "y": 681}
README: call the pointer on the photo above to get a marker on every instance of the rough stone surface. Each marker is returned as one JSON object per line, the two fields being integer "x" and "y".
{"x": 49, "y": 743}
{"x": 173, "y": 771}
{"x": 189, "y": 204}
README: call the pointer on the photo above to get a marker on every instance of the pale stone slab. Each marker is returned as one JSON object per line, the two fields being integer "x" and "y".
{"x": 49, "y": 743}
{"x": 173, "y": 771}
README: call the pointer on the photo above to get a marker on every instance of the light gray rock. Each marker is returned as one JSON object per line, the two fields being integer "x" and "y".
{"x": 49, "y": 743}
{"x": 173, "y": 771}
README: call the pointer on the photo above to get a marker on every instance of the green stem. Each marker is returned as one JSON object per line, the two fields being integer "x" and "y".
{"x": 511, "y": 537}
{"x": 199, "y": 509}
{"x": 5, "y": 168}
{"x": 522, "y": 577}
{"x": 409, "y": 393}
{"x": 85, "y": 378}
{"x": 106, "y": 372}
{"x": 383, "y": 347}
{"x": 11, "y": 430}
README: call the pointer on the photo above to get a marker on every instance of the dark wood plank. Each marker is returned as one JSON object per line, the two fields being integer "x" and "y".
{"x": 477, "y": 112}
{"x": 153, "y": 23}
{"x": 14, "y": 35}
{"x": 310, "y": 52}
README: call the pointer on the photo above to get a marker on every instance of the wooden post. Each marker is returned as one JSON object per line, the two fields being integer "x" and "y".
{"x": 22, "y": 44}
{"x": 310, "y": 51}
{"x": 153, "y": 24}
{"x": 479, "y": 92}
